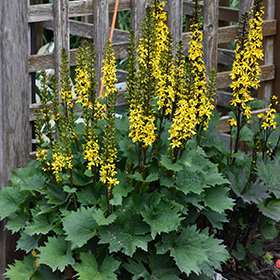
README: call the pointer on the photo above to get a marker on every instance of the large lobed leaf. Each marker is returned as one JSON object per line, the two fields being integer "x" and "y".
{"x": 198, "y": 174}
{"x": 269, "y": 173}
{"x": 88, "y": 268}
{"x": 191, "y": 249}
{"x": 21, "y": 270}
{"x": 161, "y": 267}
{"x": 80, "y": 226}
{"x": 10, "y": 199}
{"x": 56, "y": 254}
{"x": 162, "y": 218}
{"x": 126, "y": 235}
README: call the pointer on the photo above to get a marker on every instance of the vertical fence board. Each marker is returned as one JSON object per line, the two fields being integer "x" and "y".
{"x": 244, "y": 6}
{"x": 61, "y": 32}
{"x": 101, "y": 34}
{"x": 268, "y": 50}
{"x": 138, "y": 11}
{"x": 14, "y": 105}
{"x": 210, "y": 30}
{"x": 175, "y": 19}
{"x": 276, "y": 82}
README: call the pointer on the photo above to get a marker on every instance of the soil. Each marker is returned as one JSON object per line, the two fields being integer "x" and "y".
{"x": 263, "y": 271}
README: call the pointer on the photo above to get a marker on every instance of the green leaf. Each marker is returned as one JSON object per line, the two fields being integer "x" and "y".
{"x": 123, "y": 188}
{"x": 100, "y": 218}
{"x": 67, "y": 189}
{"x": 217, "y": 199}
{"x": 89, "y": 195}
{"x": 27, "y": 242}
{"x": 257, "y": 103}
{"x": 55, "y": 194}
{"x": 35, "y": 182}
{"x": 116, "y": 200}
{"x": 42, "y": 223}
{"x": 137, "y": 176}
{"x": 191, "y": 249}
{"x": 80, "y": 226}
{"x": 167, "y": 163}
{"x": 10, "y": 199}
{"x": 255, "y": 248}
{"x": 21, "y": 270}
{"x": 79, "y": 179}
{"x": 126, "y": 236}
{"x": 215, "y": 218}
{"x": 152, "y": 177}
{"x": 44, "y": 272}
{"x": 269, "y": 231}
{"x": 246, "y": 134}
{"x": 88, "y": 268}
{"x": 198, "y": 174}
{"x": 16, "y": 222}
{"x": 161, "y": 267}
{"x": 240, "y": 252}
{"x": 247, "y": 190}
{"x": 56, "y": 254}
{"x": 162, "y": 218}
{"x": 137, "y": 269}
{"x": 271, "y": 209}
{"x": 269, "y": 173}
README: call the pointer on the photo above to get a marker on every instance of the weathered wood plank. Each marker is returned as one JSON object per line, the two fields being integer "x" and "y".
{"x": 37, "y": 13}
{"x": 210, "y": 34}
{"x": 244, "y": 6}
{"x": 15, "y": 134}
{"x": 175, "y": 20}
{"x": 61, "y": 33}
{"x": 225, "y": 56}
{"x": 266, "y": 91}
{"x": 225, "y": 13}
{"x": 85, "y": 30}
{"x": 40, "y": 62}
{"x": 223, "y": 98}
{"x": 276, "y": 82}
{"x": 229, "y": 33}
{"x": 138, "y": 11}
{"x": 101, "y": 34}
{"x": 224, "y": 80}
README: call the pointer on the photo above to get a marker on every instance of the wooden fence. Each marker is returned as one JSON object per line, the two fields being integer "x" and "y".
{"x": 17, "y": 18}
{"x": 56, "y": 17}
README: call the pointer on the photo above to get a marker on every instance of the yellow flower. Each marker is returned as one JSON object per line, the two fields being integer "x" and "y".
{"x": 41, "y": 154}
{"x": 232, "y": 122}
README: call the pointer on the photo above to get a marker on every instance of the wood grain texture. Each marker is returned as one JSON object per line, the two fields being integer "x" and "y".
{"x": 138, "y": 11}
{"x": 244, "y": 6}
{"x": 85, "y": 30}
{"x": 210, "y": 34}
{"x": 229, "y": 33}
{"x": 38, "y": 13}
{"x": 175, "y": 20}
{"x": 269, "y": 56}
{"x": 267, "y": 74}
{"x": 15, "y": 136}
{"x": 61, "y": 33}
{"x": 101, "y": 34}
